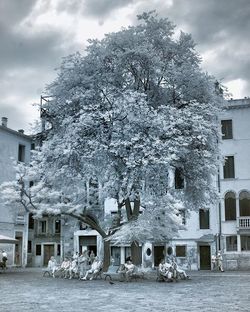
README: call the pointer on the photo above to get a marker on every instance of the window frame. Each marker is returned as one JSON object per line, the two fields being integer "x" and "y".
{"x": 21, "y": 152}
{"x": 40, "y": 226}
{"x": 228, "y": 172}
{"x": 177, "y": 251}
{"x": 38, "y": 250}
{"x": 204, "y": 224}
{"x": 234, "y": 246}
{"x": 228, "y": 133}
{"x": 57, "y": 221}
{"x": 230, "y": 214}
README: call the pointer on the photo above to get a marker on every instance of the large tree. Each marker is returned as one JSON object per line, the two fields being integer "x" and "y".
{"x": 131, "y": 110}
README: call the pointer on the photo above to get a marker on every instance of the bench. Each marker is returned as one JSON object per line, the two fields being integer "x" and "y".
{"x": 137, "y": 274}
{"x": 115, "y": 270}
{"x": 112, "y": 272}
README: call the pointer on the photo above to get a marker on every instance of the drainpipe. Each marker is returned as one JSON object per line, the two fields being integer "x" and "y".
{"x": 219, "y": 234}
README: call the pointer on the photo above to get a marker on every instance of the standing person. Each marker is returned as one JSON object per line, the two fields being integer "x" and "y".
{"x": 83, "y": 261}
{"x": 92, "y": 256}
{"x": 219, "y": 261}
{"x": 213, "y": 260}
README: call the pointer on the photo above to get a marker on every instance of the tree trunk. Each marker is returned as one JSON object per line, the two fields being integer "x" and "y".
{"x": 136, "y": 253}
{"x": 137, "y": 205}
{"x": 106, "y": 257}
{"x": 128, "y": 208}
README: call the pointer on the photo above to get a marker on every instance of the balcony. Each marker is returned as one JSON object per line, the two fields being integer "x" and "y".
{"x": 243, "y": 223}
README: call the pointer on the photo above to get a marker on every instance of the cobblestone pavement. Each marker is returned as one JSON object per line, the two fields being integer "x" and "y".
{"x": 27, "y": 290}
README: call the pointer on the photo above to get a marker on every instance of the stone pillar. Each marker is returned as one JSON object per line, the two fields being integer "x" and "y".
{"x": 147, "y": 255}
{"x": 122, "y": 255}
{"x": 238, "y": 243}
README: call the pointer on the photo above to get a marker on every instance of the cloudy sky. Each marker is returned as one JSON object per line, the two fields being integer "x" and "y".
{"x": 36, "y": 34}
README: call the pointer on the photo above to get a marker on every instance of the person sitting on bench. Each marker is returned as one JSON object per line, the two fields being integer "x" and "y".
{"x": 129, "y": 269}
{"x": 65, "y": 267}
{"x": 52, "y": 266}
{"x": 95, "y": 269}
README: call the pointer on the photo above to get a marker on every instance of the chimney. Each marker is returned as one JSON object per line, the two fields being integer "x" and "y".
{"x": 21, "y": 131}
{"x": 4, "y": 121}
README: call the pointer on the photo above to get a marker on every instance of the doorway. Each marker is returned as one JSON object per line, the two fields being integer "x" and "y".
{"x": 88, "y": 243}
{"x": 48, "y": 251}
{"x": 159, "y": 253}
{"x": 18, "y": 249}
{"x": 205, "y": 258}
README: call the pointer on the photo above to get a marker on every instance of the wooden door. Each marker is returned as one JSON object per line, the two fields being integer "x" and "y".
{"x": 48, "y": 251}
{"x": 205, "y": 258}
{"x": 158, "y": 254}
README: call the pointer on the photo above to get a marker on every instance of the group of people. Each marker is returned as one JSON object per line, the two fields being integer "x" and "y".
{"x": 80, "y": 265}
{"x": 170, "y": 271}
{"x": 217, "y": 261}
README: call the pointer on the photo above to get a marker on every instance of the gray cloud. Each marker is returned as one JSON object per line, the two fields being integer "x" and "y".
{"x": 13, "y": 11}
{"x": 27, "y": 61}
{"x": 221, "y": 27}
{"x": 99, "y": 9}
{"x": 28, "y": 58}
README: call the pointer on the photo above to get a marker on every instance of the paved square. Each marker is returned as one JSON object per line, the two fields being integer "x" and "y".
{"x": 27, "y": 290}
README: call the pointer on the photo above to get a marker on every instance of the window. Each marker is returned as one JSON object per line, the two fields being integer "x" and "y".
{"x": 178, "y": 179}
{"x": 228, "y": 168}
{"x": 57, "y": 226}
{"x": 182, "y": 213}
{"x": 245, "y": 243}
{"x": 204, "y": 219}
{"x": 58, "y": 251}
{"x": 43, "y": 227}
{"x": 29, "y": 246}
{"x": 180, "y": 251}
{"x": 32, "y": 146}
{"x": 31, "y": 183}
{"x": 38, "y": 250}
{"x": 244, "y": 204}
{"x": 31, "y": 221}
{"x": 21, "y": 152}
{"x": 230, "y": 206}
{"x": 226, "y": 129}
{"x": 231, "y": 243}
{"x": 116, "y": 255}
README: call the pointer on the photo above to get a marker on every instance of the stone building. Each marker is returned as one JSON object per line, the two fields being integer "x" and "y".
{"x": 224, "y": 227}
{"x": 15, "y": 146}
{"x": 234, "y": 210}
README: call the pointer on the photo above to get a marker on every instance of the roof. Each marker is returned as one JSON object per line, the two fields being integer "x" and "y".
{"x": 208, "y": 238}
{"x": 25, "y": 136}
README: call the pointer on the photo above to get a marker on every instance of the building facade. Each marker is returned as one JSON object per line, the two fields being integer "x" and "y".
{"x": 15, "y": 146}
{"x": 224, "y": 227}
{"x": 235, "y": 185}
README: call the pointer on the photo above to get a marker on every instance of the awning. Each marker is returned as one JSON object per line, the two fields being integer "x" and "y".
{"x": 7, "y": 240}
{"x": 208, "y": 238}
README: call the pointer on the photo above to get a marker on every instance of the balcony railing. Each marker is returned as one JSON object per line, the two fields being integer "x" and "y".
{"x": 244, "y": 222}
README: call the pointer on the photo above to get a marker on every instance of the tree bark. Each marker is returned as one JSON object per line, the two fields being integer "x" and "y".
{"x": 128, "y": 208}
{"x": 137, "y": 204}
{"x": 135, "y": 253}
{"x": 106, "y": 255}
